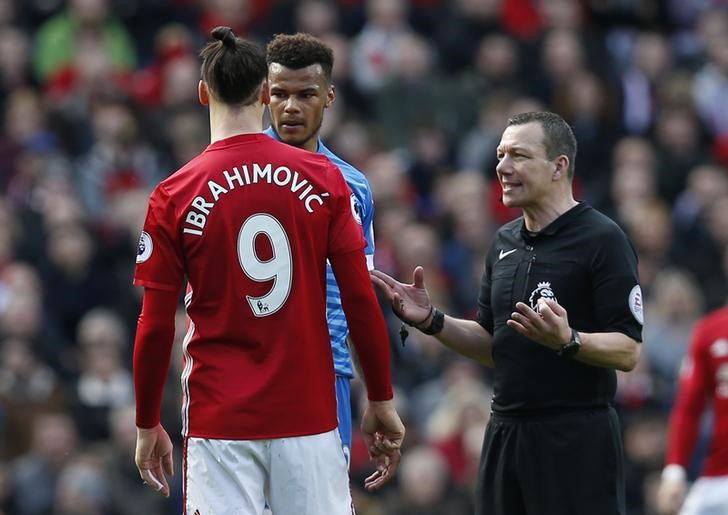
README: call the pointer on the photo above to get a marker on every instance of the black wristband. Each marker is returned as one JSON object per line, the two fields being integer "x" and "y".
{"x": 437, "y": 323}
{"x": 411, "y": 323}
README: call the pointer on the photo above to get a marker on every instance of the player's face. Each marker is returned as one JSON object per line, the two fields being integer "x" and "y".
{"x": 297, "y": 102}
{"x": 524, "y": 171}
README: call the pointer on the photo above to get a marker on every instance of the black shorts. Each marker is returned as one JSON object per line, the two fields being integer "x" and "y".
{"x": 565, "y": 464}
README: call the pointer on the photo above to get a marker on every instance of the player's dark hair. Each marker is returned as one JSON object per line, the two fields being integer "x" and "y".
{"x": 296, "y": 51}
{"x": 558, "y": 138}
{"x": 232, "y": 68}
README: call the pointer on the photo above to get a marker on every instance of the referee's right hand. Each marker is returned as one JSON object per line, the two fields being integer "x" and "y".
{"x": 410, "y": 302}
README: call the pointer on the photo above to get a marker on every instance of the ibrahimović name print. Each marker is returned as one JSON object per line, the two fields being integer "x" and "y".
{"x": 281, "y": 176}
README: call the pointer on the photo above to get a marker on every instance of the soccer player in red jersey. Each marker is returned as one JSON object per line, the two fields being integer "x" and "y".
{"x": 250, "y": 223}
{"x": 703, "y": 380}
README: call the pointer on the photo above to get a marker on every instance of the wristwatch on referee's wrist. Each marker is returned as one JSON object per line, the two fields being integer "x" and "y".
{"x": 570, "y": 348}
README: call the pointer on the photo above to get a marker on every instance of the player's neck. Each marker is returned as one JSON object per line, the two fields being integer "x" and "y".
{"x": 312, "y": 144}
{"x": 226, "y": 122}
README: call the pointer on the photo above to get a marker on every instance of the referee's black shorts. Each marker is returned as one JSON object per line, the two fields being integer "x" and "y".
{"x": 564, "y": 464}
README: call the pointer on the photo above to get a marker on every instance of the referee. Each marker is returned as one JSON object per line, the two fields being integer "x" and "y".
{"x": 560, "y": 308}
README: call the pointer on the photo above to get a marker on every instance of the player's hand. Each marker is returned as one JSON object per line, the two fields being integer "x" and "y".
{"x": 549, "y": 326}
{"x": 410, "y": 302}
{"x": 153, "y": 458}
{"x": 670, "y": 496}
{"x": 386, "y": 466}
{"x": 383, "y": 433}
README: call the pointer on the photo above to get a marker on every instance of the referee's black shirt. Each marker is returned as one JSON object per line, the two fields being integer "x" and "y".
{"x": 585, "y": 262}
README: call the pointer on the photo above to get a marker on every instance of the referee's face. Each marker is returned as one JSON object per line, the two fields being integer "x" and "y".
{"x": 297, "y": 102}
{"x": 524, "y": 171}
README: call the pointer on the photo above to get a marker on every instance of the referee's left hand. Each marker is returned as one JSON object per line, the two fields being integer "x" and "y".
{"x": 549, "y": 326}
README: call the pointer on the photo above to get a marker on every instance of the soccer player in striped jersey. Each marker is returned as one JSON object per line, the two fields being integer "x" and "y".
{"x": 299, "y": 73}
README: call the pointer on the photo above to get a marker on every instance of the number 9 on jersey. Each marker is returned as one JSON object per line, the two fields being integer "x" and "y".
{"x": 279, "y": 268}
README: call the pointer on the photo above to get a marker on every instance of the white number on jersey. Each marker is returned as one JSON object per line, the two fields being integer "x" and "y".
{"x": 279, "y": 268}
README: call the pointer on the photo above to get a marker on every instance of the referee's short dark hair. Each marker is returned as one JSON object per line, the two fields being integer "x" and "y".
{"x": 558, "y": 138}
{"x": 296, "y": 51}
{"x": 233, "y": 68}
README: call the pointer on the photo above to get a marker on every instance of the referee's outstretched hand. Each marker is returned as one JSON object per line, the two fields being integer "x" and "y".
{"x": 410, "y": 302}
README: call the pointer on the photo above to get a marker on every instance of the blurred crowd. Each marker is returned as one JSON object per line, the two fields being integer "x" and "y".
{"x": 99, "y": 103}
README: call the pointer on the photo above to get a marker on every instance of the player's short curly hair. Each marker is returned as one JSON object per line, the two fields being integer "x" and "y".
{"x": 296, "y": 51}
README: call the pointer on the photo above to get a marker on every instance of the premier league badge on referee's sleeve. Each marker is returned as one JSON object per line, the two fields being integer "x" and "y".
{"x": 144, "y": 251}
{"x": 635, "y": 304}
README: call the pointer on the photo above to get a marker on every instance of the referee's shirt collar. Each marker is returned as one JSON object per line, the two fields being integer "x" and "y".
{"x": 557, "y": 224}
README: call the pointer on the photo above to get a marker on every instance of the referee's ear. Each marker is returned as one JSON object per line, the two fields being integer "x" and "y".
{"x": 561, "y": 167}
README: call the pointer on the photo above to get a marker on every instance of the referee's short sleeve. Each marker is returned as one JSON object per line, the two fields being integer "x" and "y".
{"x": 616, "y": 292}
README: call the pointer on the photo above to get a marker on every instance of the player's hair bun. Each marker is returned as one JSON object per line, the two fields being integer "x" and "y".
{"x": 224, "y": 34}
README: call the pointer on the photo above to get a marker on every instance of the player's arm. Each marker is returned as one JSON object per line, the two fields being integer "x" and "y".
{"x": 411, "y": 303}
{"x": 366, "y": 324}
{"x": 367, "y": 226}
{"x": 381, "y": 426}
{"x": 692, "y": 396}
{"x": 159, "y": 269}
{"x": 152, "y": 350}
{"x": 355, "y": 359}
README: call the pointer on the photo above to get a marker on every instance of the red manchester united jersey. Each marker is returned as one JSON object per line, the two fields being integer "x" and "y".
{"x": 250, "y": 223}
{"x": 703, "y": 378}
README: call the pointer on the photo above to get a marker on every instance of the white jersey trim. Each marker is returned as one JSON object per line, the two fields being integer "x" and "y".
{"x": 187, "y": 370}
